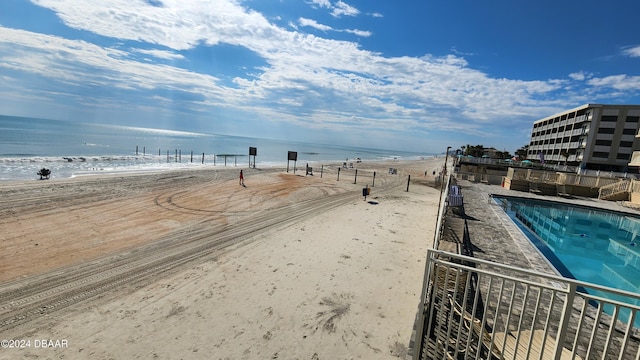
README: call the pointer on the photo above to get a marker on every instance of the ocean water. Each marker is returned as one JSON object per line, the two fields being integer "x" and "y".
{"x": 71, "y": 149}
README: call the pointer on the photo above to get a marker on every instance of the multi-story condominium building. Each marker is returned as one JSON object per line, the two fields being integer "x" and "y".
{"x": 591, "y": 136}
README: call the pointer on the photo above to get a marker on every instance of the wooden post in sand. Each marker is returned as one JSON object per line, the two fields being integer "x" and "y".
{"x": 338, "y": 179}
{"x": 373, "y": 184}
{"x": 144, "y": 151}
{"x": 203, "y": 158}
{"x": 191, "y": 155}
{"x": 321, "y": 170}
{"x": 408, "y": 181}
{"x": 355, "y": 180}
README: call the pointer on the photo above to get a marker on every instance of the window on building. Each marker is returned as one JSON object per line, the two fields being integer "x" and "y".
{"x": 600, "y": 154}
{"x": 606, "y": 130}
{"x": 609, "y": 118}
{"x": 632, "y": 119}
{"x": 626, "y": 144}
{"x": 629, "y": 131}
{"x": 623, "y": 157}
{"x": 603, "y": 142}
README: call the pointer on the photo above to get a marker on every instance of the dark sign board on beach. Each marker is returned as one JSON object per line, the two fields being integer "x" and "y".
{"x": 293, "y": 155}
{"x": 253, "y": 151}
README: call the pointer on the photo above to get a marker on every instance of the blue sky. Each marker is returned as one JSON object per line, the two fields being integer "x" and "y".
{"x": 416, "y": 75}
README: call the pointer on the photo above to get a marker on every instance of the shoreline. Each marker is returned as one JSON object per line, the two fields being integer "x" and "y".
{"x": 27, "y": 170}
{"x": 364, "y": 164}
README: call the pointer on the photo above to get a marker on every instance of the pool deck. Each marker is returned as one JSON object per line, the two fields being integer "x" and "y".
{"x": 492, "y": 234}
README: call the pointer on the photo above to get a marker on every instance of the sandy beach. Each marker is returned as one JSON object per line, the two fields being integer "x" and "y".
{"x": 190, "y": 265}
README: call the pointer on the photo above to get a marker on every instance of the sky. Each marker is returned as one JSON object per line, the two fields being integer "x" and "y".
{"x": 413, "y": 75}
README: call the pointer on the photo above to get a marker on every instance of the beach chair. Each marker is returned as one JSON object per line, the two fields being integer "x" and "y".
{"x": 522, "y": 345}
{"x": 455, "y": 197}
{"x": 533, "y": 188}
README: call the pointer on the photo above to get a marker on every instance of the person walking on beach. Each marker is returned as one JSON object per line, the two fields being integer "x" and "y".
{"x": 241, "y": 178}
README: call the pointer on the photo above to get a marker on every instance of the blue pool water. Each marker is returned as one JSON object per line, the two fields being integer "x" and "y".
{"x": 586, "y": 244}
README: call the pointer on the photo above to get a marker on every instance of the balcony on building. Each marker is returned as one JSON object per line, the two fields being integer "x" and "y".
{"x": 635, "y": 159}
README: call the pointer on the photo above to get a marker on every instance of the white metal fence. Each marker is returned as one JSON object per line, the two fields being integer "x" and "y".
{"x": 477, "y": 309}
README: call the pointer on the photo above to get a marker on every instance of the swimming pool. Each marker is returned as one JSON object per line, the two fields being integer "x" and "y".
{"x": 587, "y": 244}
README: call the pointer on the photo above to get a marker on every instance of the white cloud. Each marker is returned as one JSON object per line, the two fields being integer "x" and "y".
{"x": 339, "y": 9}
{"x": 342, "y": 8}
{"x": 580, "y": 76}
{"x": 361, "y": 33}
{"x": 618, "y": 82}
{"x": 79, "y": 63}
{"x": 314, "y": 24}
{"x": 160, "y": 54}
{"x": 633, "y": 51}
{"x": 321, "y": 3}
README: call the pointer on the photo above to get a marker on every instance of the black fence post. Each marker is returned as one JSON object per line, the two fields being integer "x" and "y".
{"x": 408, "y": 181}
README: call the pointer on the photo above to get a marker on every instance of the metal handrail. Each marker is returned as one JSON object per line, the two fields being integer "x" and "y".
{"x": 520, "y": 313}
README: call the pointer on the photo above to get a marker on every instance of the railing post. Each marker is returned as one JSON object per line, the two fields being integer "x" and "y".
{"x": 418, "y": 343}
{"x": 565, "y": 317}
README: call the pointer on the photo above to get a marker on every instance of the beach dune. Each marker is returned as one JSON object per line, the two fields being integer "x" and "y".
{"x": 188, "y": 264}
